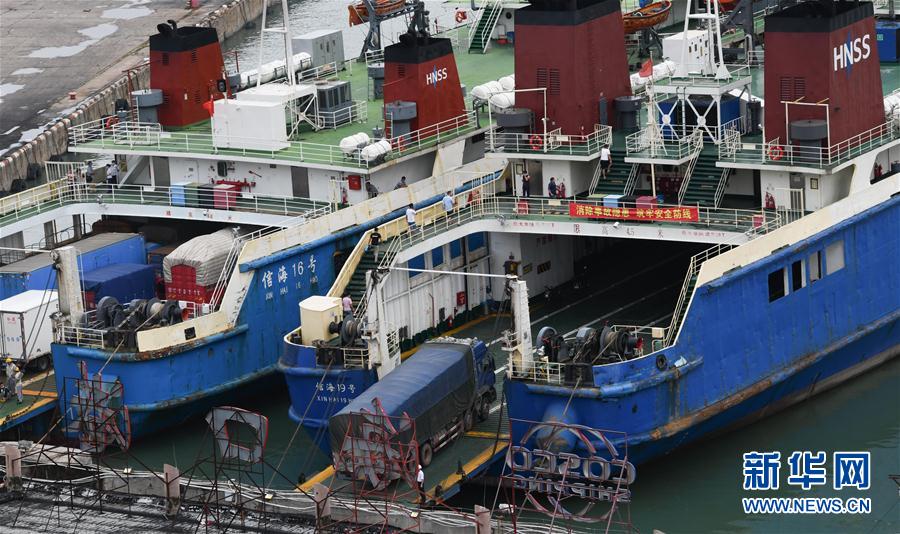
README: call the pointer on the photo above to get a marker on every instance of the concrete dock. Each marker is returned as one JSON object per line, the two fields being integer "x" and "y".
{"x": 51, "y": 48}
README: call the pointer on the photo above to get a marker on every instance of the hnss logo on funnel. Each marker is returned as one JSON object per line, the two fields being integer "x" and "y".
{"x": 435, "y": 76}
{"x": 853, "y": 51}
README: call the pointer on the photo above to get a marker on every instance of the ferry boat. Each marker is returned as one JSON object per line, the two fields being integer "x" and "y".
{"x": 776, "y": 190}
{"x": 339, "y": 135}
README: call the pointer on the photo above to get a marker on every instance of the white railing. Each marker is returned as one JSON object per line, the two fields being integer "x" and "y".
{"x": 687, "y": 177}
{"x": 431, "y": 135}
{"x": 374, "y": 56}
{"x": 81, "y": 336}
{"x": 551, "y": 143}
{"x": 663, "y": 148}
{"x": 490, "y": 9}
{"x": 693, "y": 271}
{"x": 540, "y": 371}
{"x": 720, "y": 189}
{"x": 132, "y": 136}
{"x": 631, "y": 182}
{"x": 773, "y": 152}
{"x": 62, "y": 192}
{"x": 358, "y": 111}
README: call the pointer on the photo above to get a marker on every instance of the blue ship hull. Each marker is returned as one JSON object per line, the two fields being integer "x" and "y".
{"x": 740, "y": 357}
{"x": 316, "y": 392}
{"x": 164, "y": 388}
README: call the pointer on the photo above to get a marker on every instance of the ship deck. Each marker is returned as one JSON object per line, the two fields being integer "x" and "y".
{"x": 315, "y": 148}
{"x": 568, "y": 309}
{"x": 38, "y": 397}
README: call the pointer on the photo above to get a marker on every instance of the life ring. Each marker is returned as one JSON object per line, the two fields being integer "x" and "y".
{"x": 111, "y": 121}
{"x": 776, "y": 152}
{"x": 536, "y": 142}
{"x": 461, "y": 16}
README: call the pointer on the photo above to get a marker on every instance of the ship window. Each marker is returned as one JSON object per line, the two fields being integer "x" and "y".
{"x": 437, "y": 257}
{"x": 798, "y": 275}
{"x": 777, "y": 284}
{"x": 834, "y": 257}
{"x": 165, "y": 58}
{"x": 815, "y": 266}
{"x": 476, "y": 241}
{"x": 456, "y": 248}
{"x": 416, "y": 263}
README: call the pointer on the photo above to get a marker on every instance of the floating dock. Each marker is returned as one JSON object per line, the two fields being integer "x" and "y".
{"x": 39, "y": 398}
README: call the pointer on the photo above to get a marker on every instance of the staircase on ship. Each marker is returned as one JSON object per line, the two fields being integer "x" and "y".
{"x": 484, "y": 26}
{"x": 704, "y": 181}
{"x": 619, "y": 179}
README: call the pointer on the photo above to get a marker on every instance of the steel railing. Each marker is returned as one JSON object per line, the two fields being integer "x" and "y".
{"x": 357, "y": 112}
{"x": 774, "y": 152}
{"x": 697, "y": 260}
{"x": 551, "y": 143}
{"x": 63, "y": 192}
{"x": 540, "y": 371}
{"x": 430, "y": 136}
{"x": 656, "y": 144}
{"x": 490, "y": 9}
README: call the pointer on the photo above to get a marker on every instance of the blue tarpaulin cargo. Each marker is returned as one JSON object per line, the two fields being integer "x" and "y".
{"x": 36, "y": 272}
{"x": 433, "y": 386}
{"x": 125, "y": 281}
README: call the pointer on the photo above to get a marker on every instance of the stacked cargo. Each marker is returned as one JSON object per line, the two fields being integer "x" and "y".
{"x": 124, "y": 281}
{"x": 192, "y": 270}
{"x": 36, "y": 272}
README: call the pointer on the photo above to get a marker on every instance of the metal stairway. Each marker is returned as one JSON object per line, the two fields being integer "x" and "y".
{"x": 357, "y": 285}
{"x": 687, "y": 289}
{"x": 484, "y": 26}
{"x": 618, "y": 179}
{"x": 706, "y": 183}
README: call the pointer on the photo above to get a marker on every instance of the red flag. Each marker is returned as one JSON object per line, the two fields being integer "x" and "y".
{"x": 646, "y": 69}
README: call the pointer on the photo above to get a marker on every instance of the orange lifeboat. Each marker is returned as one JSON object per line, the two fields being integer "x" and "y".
{"x": 359, "y": 13}
{"x": 647, "y": 16}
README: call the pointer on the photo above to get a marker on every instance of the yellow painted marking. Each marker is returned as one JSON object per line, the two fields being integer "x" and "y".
{"x": 320, "y": 476}
{"x": 48, "y": 394}
{"x": 472, "y": 464}
{"x": 452, "y": 331}
{"x": 27, "y": 408}
{"x": 482, "y": 434}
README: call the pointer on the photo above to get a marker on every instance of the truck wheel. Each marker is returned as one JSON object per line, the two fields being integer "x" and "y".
{"x": 42, "y": 363}
{"x": 484, "y": 409}
{"x": 426, "y": 454}
{"x": 469, "y": 419}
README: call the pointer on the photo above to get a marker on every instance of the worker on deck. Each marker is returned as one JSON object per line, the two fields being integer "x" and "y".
{"x": 420, "y": 484}
{"x": 411, "y": 218}
{"x": 526, "y": 185}
{"x": 605, "y": 160}
{"x": 448, "y": 203}
{"x": 347, "y": 304}
{"x": 401, "y": 183}
{"x": 19, "y": 387}
{"x": 552, "y": 190}
{"x": 374, "y": 241}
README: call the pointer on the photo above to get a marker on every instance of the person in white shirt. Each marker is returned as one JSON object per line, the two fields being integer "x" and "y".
{"x": 448, "y": 204}
{"x": 112, "y": 174}
{"x": 605, "y": 160}
{"x": 411, "y": 217}
{"x": 420, "y": 482}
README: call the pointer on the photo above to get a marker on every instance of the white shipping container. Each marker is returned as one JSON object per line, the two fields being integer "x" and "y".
{"x": 25, "y": 326}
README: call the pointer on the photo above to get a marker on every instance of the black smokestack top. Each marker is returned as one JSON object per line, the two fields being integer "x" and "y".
{"x": 818, "y": 16}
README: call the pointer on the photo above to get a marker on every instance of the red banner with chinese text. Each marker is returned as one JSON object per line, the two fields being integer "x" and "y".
{"x": 659, "y": 214}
